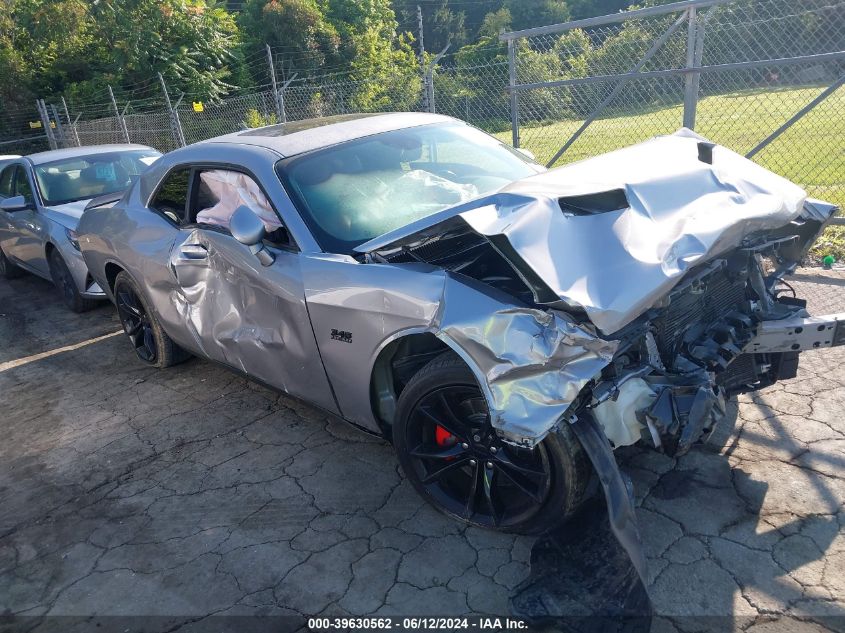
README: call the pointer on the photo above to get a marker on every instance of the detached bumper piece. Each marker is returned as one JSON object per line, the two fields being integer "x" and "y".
{"x": 798, "y": 334}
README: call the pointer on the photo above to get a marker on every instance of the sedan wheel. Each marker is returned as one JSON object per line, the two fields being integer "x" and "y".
{"x": 457, "y": 462}
{"x": 7, "y": 269}
{"x": 63, "y": 280}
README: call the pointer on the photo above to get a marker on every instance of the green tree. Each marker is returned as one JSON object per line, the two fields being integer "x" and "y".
{"x": 487, "y": 48}
{"x": 297, "y": 31}
{"x": 189, "y": 41}
{"x": 442, "y": 23}
{"x": 360, "y": 36}
{"x": 44, "y": 45}
{"x": 588, "y": 8}
{"x": 394, "y": 84}
{"x": 78, "y": 47}
{"x": 14, "y": 68}
{"x": 525, "y": 15}
{"x": 367, "y": 28}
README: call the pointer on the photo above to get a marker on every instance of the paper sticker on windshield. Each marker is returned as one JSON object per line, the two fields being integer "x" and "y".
{"x": 105, "y": 171}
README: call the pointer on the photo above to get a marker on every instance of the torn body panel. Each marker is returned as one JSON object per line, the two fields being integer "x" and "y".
{"x": 534, "y": 363}
{"x": 531, "y": 363}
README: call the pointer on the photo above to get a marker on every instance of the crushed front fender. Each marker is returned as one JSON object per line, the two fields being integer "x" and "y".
{"x": 532, "y": 363}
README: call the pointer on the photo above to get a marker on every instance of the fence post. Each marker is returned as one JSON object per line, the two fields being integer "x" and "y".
{"x": 429, "y": 77}
{"x": 179, "y": 120}
{"x": 119, "y": 118}
{"x": 695, "y": 51}
{"x": 514, "y": 98}
{"x": 72, "y": 125}
{"x": 283, "y": 115}
{"x": 123, "y": 121}
{"x": 175, "y": 124}
{"x": 60, "y": 129}
{"x": 281, "y": 94}
{"x": 45, "y": 121}
{"x": 277, "y": 97}
{"x": 426, "y": 105}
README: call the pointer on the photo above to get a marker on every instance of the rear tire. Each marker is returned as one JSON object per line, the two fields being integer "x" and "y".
{"x": 7, "y": 269}
{"x": 151, "y": 343}
{"x": 442, "y": 426}
{"x": 63, "y": 280}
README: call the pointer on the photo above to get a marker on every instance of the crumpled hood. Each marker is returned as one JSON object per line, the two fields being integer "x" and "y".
{"x": 67, "y": 215}
{"x": 613, "y": 234}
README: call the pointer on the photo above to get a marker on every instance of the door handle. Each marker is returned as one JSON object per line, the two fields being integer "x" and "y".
{"x": 193, "y": 252}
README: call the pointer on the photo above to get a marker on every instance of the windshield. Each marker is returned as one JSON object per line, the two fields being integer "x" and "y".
{"x": 84, "y": 177}
{"x": 355, "y": 191}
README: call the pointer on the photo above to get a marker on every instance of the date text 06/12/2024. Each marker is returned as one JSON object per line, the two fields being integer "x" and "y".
{"x": 413, "y": 624}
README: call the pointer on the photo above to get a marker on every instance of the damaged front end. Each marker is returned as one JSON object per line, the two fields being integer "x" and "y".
{"x": 678, "y": 364}
{"x": 657, "y": 272}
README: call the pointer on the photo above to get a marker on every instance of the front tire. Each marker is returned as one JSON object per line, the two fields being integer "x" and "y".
{"x": 151, "y": 343}
{"x": 63, "y": 280}
{"x": 454, "y": 459}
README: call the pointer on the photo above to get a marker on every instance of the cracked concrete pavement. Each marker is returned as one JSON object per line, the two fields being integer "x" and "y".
{"x": 191, "y": 492}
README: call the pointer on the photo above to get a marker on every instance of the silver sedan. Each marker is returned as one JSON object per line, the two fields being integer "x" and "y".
{"x": 42, "y": 197}
{"x": 506, "y": 326}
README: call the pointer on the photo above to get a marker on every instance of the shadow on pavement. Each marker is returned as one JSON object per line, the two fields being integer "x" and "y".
{"x": 583, "y": 580}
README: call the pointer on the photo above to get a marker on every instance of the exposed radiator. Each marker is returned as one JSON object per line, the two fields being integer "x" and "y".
{"x": 703, "y": 301}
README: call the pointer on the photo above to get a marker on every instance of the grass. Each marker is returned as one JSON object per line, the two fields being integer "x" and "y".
{"x": 811, "y": 153}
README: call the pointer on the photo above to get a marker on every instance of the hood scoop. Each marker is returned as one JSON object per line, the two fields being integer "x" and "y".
{"x": 594, "y": 203}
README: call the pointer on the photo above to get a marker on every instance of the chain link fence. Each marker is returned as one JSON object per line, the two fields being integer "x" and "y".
{"x": 762, "y": 77}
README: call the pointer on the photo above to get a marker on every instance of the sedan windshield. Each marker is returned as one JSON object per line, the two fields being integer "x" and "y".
{"x": 84, "y": 177}
{"x": 355, "y": 191}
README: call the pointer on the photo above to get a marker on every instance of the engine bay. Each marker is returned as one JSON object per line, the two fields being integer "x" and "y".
{"x": 678, "y": 364}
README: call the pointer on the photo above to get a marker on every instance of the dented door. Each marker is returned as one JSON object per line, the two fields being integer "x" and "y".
{"x": 248, "y": 316}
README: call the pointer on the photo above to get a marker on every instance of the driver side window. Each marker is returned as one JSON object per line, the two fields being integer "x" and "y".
{"x": 217, "y": 193}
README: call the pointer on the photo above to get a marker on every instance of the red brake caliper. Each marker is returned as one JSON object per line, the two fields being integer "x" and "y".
{"x": 444, "y": 438}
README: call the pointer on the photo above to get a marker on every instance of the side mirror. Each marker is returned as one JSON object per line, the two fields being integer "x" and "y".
{"x": 15, "y": 203}
{"x": 248, "y": 229}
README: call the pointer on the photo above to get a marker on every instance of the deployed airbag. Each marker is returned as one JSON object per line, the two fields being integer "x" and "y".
{"x": 232, "y": 189}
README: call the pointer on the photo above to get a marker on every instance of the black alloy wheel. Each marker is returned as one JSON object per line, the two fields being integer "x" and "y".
{"x": 456, "y": 461}
{"x": 151, "y": 343}
{"x": 136, "y": 323}
{"x": 466, "y": 469}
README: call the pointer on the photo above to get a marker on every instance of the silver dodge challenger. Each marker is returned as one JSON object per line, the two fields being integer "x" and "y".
{"x": 505, "y": 326}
